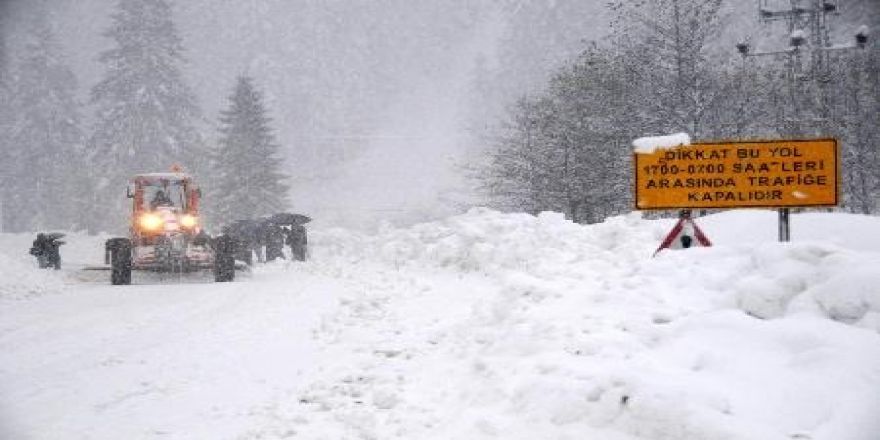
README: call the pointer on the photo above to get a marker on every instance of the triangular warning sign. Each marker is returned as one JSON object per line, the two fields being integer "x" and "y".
{"x": 684, "y": 235}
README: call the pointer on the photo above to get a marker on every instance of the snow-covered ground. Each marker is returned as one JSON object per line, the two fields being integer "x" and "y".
{"x": 481, "y": 326}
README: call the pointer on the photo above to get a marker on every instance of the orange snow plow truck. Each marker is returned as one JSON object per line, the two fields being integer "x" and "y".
{"x": 165, "y": 232}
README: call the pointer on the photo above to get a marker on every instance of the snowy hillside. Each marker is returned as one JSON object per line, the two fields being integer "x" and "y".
{"x": 483, "y": 325}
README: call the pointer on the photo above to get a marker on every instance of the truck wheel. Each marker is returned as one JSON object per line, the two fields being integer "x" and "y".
{"x": 120, "y": 260}
{"x": 224, "y": 259}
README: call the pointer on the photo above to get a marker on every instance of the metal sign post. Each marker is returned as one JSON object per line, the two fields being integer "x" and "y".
{"x": 784, "y": 226}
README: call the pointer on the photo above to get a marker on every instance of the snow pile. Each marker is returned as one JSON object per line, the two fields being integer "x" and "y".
{"x": 573, "y": 331}
{"x": 816, "y": 279}
{"x": 751, "y": 227}
{"x": 480, "y": 326}
{"x": 764, "y": 280}
{"x": 488, "y": 241}
{"x": 648, "y": 145}
{"x": 22, "y": 280}
{"x": 20, "y": 277}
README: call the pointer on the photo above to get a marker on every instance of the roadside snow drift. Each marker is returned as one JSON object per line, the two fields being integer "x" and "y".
{"x": 484, "y": 325}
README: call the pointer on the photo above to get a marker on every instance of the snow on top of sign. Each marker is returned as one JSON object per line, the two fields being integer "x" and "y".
{"x": 647, "y": 145}
{"x": 863, "y": 30}
{"x": 799, "y": 33}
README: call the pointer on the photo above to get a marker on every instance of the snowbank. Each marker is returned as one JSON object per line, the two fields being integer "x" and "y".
{"x": 487, "y": 241}
{"x": 20, "y": 277}
{"x": 479, "y": 326}
{"x": 576, "y": 332}
{"x": 757, "y": 275}
{"x": 22, "y": 280}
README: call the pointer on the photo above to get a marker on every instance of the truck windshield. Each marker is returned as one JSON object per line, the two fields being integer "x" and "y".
{"x": 165, "y": 193}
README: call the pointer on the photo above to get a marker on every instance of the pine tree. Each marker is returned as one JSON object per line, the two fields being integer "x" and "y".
{"x": 146, "y": 113}
{"x": 4, "y": 66}
{"x": 44, "y": 138}
{"x": 563, "y": 150}
{"x": 5, "y": 113}
{"x": 248, "y": 180}
{"x": 517, "y": 173}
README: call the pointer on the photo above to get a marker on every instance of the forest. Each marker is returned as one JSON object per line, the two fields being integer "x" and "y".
{"x": 568, "y": 147}
{"x": 58, "y": 174}
{"x": 547, "y": 106}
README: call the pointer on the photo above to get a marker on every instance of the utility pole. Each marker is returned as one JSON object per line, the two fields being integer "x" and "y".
{"x": 808, "y": 72}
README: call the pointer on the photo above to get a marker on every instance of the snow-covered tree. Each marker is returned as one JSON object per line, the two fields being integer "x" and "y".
{"x": 666, "y": 43}
{"x": 146, "y": 114}
{"x": 248, "y": 181}
{"x": 44, "y": 142}
{"x": 651, "y": 75}
{"x": 4, "y": 61}
{"x": 514, "y": 174}
{"x": 856, "y": 120}
{"x": 5, "y": 113}
{"x": 565, "y": 150}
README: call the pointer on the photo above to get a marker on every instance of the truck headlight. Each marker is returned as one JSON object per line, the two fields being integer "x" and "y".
{"x": 189, "y": 221}
{"x": 150, "y": 222}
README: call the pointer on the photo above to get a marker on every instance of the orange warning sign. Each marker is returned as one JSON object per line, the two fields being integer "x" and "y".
{"x": 768, "y": 174}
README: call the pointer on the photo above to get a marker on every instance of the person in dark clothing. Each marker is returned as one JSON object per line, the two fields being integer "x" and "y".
{"x": 259, "y": 242}
{"x": 243, "y": 251}
{"x": 224, "y": 263}
{"x": 46, "y": 249}
{"x": 240, "y": 241}
{"x": 262, "y": 229}
{"x": 256, "y": 234}
{"x": 298, "y": 242}
{"x": 274, "y": 242}
{"x": 160, "y": 199}
{"x": 37, "y": 250}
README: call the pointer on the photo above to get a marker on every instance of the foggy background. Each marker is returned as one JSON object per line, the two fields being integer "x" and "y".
{"x": 378, "y": 105}
{"x": 369, "y": 98}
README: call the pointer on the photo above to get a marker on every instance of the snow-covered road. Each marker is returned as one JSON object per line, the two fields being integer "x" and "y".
{"x": 481, "y": 326}
{"x": 106, "y": 362}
